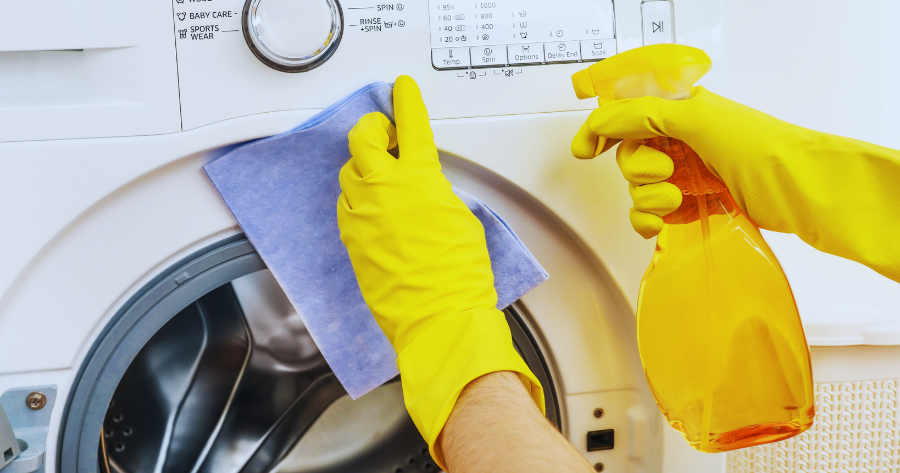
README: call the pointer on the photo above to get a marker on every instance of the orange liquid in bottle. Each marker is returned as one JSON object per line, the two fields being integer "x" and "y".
{"x": 719, "y": 334}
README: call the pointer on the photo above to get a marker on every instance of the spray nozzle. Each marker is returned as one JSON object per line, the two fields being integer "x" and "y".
{"x": 661, "y": 70}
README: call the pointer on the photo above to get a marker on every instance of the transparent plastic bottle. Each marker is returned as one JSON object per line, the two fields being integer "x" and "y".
{"x": 719, "y": 335}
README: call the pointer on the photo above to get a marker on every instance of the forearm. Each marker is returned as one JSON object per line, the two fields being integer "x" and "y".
{"x": 838, "y": 194}
{"x": 496, "y": 427}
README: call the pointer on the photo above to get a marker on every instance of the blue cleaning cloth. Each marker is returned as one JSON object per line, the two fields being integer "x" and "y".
{"x": 283, "y": 191}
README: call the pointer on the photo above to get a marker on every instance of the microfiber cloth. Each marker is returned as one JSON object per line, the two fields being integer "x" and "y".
{"x": 283, "y": 191}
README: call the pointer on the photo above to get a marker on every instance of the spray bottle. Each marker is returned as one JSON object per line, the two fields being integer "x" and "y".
{"x": 718, "y": 330}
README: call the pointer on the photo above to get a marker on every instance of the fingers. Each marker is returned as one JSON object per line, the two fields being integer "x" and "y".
{"x": 343, "y": 206}
{"x": 351, "y": 181}
{"x": 646, "y": 169}
{"x": 643, "y": 165}
{"x": 645, "y": 117}
{"x": 584, "y": 145}
{"x": 610, "y": 142}
{"x": 587, "y": 145}
{"x": 370, "y": 139}
{"x": 413, "y": 128}
{"x": 661, "y": 198}
{"x": 645, "y": 224}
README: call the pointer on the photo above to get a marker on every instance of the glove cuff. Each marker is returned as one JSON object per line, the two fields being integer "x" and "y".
{"x": 447, "y": 356}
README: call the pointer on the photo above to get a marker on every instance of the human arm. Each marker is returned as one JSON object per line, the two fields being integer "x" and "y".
{"x": 421, "y": 260}
{"x": 495, "y": 427}
{"x": 837, "y": 194}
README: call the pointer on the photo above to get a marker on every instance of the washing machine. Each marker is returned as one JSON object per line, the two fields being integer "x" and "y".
{"x": 139, "y": 329}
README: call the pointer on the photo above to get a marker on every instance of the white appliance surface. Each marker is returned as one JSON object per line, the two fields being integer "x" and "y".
{"x": 108, "y": 110}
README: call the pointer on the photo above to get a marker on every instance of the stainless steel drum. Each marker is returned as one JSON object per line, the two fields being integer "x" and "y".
{"x": 210, "y": 370}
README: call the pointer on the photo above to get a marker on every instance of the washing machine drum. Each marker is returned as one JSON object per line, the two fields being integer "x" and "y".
{"x": 208, "y": 369}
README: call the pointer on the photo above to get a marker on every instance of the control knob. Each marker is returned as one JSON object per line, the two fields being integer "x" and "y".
{"x": 292, "y": 35}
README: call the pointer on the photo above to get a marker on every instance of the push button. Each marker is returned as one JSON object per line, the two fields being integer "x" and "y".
{"x": 597, "y": 49}
{"x": 526, "y": 53}
{"x": 450, "y": 58}
{"x": 601, "y": 440}
{"x": 658, "y": 22}
{"x": 488, "y": 55}
{"x": 562, "y": 51}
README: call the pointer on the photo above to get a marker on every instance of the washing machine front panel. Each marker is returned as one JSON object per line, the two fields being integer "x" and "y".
{"x": 105, "y": 217}
{"x": 580, "y": 318}
{"x": 141, "y": 68}
{"x": 92, "y": 247}
{"x": 134, "y": 68}
{"x": 470, "y": 58}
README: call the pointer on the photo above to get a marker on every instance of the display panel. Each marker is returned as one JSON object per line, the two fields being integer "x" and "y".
{"x": 469, "y": 33}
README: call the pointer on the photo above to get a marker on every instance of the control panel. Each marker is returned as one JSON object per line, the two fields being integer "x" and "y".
{"x": 501, "y": 33}
{"x": 91, "y": 69}
{"x": 471, "y": 58}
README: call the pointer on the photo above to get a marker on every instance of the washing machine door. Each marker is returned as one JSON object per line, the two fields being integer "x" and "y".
{"x": 209, "y": 369}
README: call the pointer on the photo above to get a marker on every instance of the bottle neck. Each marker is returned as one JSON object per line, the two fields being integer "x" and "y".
{"x": 698, "y": 221}
{"x": 703, "y": 193}
{"x": 696, "y": 207}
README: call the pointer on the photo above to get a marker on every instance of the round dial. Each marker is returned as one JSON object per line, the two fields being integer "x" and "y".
{"x": 292, "y": 35}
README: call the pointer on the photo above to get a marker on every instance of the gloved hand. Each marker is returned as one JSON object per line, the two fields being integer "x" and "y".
{"x": 838, "y": 194}
{"x": 422, "y": 264}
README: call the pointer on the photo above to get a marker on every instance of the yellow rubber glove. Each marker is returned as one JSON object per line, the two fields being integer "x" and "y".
{"x": 840, "y": 195}
{"x": 422, "y": 263}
